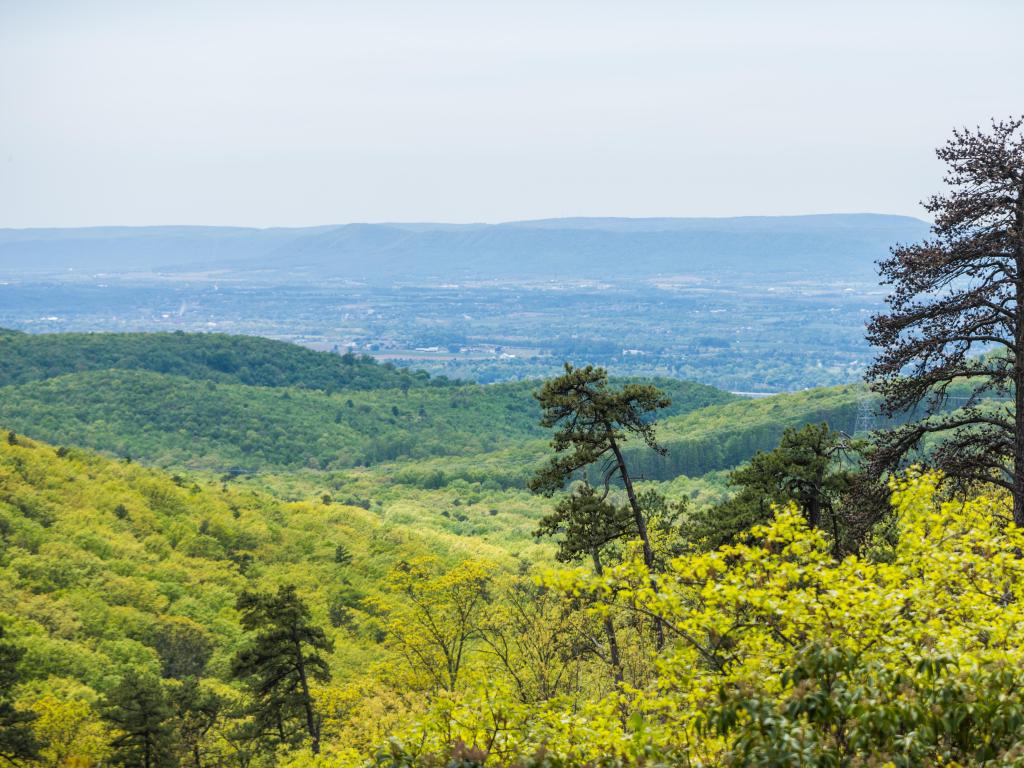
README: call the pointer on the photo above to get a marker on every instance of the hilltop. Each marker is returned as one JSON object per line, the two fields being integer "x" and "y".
{"x": 223, "y": 402}
{"x": 215, "y": 357}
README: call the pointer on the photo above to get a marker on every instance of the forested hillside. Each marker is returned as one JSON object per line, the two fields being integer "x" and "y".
{"x": 125, "y": 596}
{"x": 101, "y": 556}
{"x": 165, "y": 399}
{"x": 470, "y": 432}
{"x": 201, "y": 356}
{"x": 430, "y": 607}
{"x": 107, "y": 567}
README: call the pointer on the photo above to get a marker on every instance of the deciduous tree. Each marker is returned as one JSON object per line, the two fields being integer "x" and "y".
{"x": 437, "y": 616}
{"x": 538, "y": 637}
{"x": 70, "y": 729}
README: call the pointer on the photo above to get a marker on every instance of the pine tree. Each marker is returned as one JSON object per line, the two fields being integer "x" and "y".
{"x": 279, "y": 664}
{"x": 956, "y": 320}
{"x": 585, "y": 523}
{"x": 803, "y": 469}
{"x": 592, "y": 421}
{"x": 342, "y": 555}
{"x": 17, "y": 741}
{"x": 138, "y": 711}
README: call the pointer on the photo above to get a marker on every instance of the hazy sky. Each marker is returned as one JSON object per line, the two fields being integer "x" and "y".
{"x": 302, "y": 112}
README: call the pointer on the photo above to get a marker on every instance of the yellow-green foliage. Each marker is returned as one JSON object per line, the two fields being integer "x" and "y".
{"x": 781, "y": 656}
{"x": 778, "y": 655}
{"x": 106, "y": 566}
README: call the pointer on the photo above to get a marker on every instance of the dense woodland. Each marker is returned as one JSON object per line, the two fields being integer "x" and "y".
{"x": 204, "y": 357}
{"x": 224, "y": 551}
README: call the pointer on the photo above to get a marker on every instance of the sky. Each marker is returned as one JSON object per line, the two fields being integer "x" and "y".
{"x": 242, "y": 112}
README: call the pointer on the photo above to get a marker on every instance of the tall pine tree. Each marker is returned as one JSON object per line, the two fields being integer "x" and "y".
{"x": 592, "y": 420}
{"x": 956, "y": 321}
{"x": 279, "y": 664}
{"x": 586, "y": 523}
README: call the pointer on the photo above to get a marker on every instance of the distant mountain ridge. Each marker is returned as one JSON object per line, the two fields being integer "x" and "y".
{"x": 832, "y": 245}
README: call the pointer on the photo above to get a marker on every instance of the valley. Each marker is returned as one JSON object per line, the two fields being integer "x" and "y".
{"x": 726, "y": 302}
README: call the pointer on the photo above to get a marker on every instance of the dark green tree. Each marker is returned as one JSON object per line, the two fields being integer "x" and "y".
{"x": 585, "y": 522}
{"x": 184, "y": 646}
{"x": 279, "y": 663}
{"x": 196, "y": 712}
{"x": 342, "y": 555}
{"x": 956, "y": 321}
{"x": 17, "y": 741}
{"x": 592, "y": 420}
{"x": 141, "y": 716}
{"x": 805, "y": 468}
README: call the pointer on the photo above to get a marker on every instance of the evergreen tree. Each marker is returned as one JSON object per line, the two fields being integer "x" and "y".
{"x": 138, "y": 711}
{"x": 585, "y": 522}
{"x": 592, "y": 421}
{"x": 17, "y": 741}
{"x": 956, "y": 319}
{"x": 342, "y": 555}
{"x": 280, "y": 662}
{"x": 803, "y": 469}
{"x": 183, "y": 645}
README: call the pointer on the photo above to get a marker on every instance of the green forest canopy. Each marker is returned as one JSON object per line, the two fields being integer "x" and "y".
{"x": 220, "y": 402}
{"x": 203, "y": 356}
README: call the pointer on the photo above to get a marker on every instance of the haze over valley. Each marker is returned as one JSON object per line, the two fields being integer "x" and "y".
{"x": 758, "y": 304}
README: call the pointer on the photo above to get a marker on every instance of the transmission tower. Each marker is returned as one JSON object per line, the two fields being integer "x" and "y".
{"x": 867, "y": 415}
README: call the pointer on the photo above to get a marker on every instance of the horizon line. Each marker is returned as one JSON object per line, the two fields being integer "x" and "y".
{"x": 438, "y": 222}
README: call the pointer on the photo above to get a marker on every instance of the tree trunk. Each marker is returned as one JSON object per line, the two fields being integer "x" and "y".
{"x": 638, "y": 516}
{"x": 1018, "y": 368}
{"x": 641, "y": 527}
{"x": 307, "y": 701}
{"x": 1018, "y": 440}
{"x": 609, "y": 627}
{"x": 814, "y": 508}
